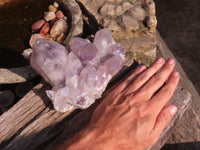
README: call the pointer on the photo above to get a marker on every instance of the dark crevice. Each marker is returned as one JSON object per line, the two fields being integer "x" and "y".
{"x": 90, "y": 23}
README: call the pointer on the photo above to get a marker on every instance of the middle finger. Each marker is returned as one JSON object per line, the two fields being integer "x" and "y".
{"x": 154, "y": 83}
{"x": 145, "y": 76}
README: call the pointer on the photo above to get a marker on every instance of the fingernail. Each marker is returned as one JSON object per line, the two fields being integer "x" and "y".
{"x": 143, "y": 68}
{"x": 175, "y": 74}
{"x": 171, "y": 61}
{"x": 173, "y": 111}
{"x": 159, "y": 60}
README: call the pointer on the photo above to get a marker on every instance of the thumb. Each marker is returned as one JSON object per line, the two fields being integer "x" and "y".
{"x": 163, "y": 119}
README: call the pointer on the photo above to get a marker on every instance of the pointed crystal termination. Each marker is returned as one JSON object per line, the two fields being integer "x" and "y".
{"x": 80, "y": 73}
{"x": 49, "y": 60}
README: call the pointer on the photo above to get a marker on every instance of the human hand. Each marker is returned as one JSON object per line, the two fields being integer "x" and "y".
{"x": 134, "y": 114}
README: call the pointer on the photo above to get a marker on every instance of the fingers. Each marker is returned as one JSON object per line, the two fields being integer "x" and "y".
{"x": 145, "y": 76}
{"x": 156, "y": 81}
{"x": 130, "y": 78}
{"x": 160, "y": 99}
{"x": 163, "y": 119}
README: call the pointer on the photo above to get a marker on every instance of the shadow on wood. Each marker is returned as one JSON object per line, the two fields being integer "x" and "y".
{"x": 182, "y": 146}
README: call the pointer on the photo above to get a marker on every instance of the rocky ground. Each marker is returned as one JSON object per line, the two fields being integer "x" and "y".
{"x": 178, "y": 24}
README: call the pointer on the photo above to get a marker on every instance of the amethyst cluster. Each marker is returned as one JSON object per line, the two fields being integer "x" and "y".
{"x": 80, "y": 72}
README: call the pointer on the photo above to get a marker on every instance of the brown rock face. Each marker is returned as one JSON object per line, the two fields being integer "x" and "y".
{"x": 111, "y": 10}
{"x": 133, "y": 24}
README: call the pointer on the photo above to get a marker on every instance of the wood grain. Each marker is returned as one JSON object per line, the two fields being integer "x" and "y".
{"x": 187, "y": 130}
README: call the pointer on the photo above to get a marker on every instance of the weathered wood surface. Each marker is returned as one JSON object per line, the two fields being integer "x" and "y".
{"x": 29, "y": 118}
{"x": 182, "y": 100}
{"x": 33, "y": 124}
{"x": 188, "y": 130}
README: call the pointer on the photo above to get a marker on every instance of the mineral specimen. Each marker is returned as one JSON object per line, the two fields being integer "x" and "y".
{"x": 60, "y": 26}
{"x": 80, "y": 72}
{"x": 54, "y": 25}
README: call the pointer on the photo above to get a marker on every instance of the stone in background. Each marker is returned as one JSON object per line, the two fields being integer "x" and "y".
{"x": 133, "y": 23}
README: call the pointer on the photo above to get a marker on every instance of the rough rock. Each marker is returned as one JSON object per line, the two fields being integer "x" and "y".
{"x": 16, "y": 75}
{"x": 141, "y": 48}
{"x": 129, "y": 20}
{"x": 59, "y": 27}
{"x": 108, "y": 10}
{"x": 49, "y": 15}
{"x": 137, "y": 12}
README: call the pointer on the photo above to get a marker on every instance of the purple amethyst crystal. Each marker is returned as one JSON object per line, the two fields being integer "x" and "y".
{"x": 80, "y": 72}
{"x": 88, "y": 52}
{"x": 49, "y": 60}
{"x": 103, "y": 41}
{"x": 78, "y": 43}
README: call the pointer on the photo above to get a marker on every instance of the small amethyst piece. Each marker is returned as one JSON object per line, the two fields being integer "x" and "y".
{"x": 80, "y": 73}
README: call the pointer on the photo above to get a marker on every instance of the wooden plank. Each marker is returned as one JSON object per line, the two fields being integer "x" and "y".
{"x": 28, "y": 118}
{"x": 182, "y": 99}
{"x": 21, "y": 113}
{"x": 188, "y": 126}
{"x": 46, "y": 126}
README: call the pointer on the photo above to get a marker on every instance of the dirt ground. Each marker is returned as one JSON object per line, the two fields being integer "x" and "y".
{"x": 179, "y": 25}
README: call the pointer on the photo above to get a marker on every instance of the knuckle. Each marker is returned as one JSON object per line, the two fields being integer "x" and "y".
{"x": 144, "y": 93}
{"x": 164, "y": 118}
{"x": 167, "y": 90}
{"x": 139, "y": 115}
{"x": 142, "y": 112}
{"x": 155, "y": 68}
{"x": 156, "y": 77}
{"x": 147, "y": 109}
{"x": 139, "y": 94}
{"x": 133, "y": 87}
{"x": 142, "y": 77}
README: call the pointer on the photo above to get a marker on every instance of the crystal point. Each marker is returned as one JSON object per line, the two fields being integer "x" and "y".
{"x": 79, "y": 72}
{"x": 49, "y": 60}
{"x": 103, "y": 40}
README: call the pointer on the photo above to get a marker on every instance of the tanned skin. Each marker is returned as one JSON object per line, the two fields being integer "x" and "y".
{"x": 134, "y": 114}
